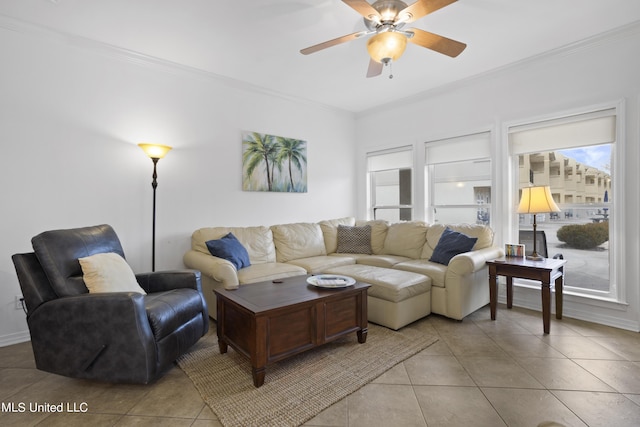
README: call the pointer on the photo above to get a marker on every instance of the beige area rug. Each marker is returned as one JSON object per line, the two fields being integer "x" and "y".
{"x": 297, "y": 389}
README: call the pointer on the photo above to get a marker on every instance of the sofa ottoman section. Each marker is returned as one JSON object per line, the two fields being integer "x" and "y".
{"x": 396, "y": 298}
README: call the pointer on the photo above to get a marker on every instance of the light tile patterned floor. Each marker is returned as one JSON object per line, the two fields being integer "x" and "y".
{"x": 480, "y": 373}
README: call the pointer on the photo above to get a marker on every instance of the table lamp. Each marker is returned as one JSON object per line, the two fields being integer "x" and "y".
{"x": 536, "y": 200}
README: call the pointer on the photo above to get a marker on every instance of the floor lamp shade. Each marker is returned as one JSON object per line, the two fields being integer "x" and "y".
{"x": 536, "y": 200}
{"x": 155, "y": 152}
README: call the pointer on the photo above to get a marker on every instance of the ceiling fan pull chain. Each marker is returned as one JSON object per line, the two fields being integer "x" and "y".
{"x": 390, "y": 70}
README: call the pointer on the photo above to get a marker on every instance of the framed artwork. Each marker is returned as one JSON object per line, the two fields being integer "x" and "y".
{"x": 273, "y": 163}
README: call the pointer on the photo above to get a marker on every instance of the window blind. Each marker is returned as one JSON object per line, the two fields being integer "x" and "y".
{"x": 467, "y": 147}
{"x": 401, "y": 158}
{"x": 594, "y": 128}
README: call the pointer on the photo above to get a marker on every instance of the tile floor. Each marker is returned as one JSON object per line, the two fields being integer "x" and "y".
{"x": 480, "y": 373}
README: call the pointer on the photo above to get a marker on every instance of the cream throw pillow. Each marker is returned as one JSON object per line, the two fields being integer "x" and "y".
{"x": 108, "y": 272}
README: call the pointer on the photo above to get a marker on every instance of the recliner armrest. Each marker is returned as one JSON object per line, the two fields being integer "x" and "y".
{"x": 161, "y": 281}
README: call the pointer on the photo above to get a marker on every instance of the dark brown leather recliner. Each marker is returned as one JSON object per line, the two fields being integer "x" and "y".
{"x": 113, "y": 337}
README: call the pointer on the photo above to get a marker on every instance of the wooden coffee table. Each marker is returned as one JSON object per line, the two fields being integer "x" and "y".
{"x": 270, "y": 321}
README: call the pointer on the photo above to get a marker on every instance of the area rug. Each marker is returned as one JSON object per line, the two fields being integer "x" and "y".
{"x": 297, "y": 389}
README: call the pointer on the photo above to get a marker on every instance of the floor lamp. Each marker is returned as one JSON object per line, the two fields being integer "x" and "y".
{"x": 155, "y": 152}
{"x": 535, "y": 200}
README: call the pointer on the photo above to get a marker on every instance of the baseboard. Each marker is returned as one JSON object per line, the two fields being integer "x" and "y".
{"x": 15, "y": 338}
{"x": 602, "y": 319}
{"x": 573, "y": 311}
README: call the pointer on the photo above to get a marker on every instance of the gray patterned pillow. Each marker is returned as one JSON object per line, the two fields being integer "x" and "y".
{"x": 354, "y": 240}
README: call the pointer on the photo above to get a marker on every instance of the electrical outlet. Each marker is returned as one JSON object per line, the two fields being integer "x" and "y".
{"x": 18, "y": 302}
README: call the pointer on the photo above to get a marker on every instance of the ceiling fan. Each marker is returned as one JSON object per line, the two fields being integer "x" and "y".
{"x": 385, "y": 19}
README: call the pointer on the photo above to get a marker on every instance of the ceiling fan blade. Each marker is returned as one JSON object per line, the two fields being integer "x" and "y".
{"x": 364, "y": 9}
{"x": 421, "y": 8}
{"x": 329, "y": 43}
{"x": 435, "y": 42}
{"x": 375, "y": 68}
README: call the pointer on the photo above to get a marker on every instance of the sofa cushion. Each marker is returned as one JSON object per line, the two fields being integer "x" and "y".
{"x": 330, "y": 231}
{"x": 268, "y": 271}
{"x": 229, "y": 248}
{"x": 354, "y": 240}
{"x": 318, "y": 264}
{"x": 451, "y": 243}
{"x": 378, "y": 234}
{"x": 436, "y": 271}
{"x": 483, "y": 233}
{"x": 405, "y": 239}
{"x": 295, "y": 241}
{"x": 385, "y": 261}
{"x": 258, "y": 241}
{"x": 108, "y": 272}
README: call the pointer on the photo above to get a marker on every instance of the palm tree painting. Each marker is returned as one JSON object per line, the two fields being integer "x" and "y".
{"x": 273, "y": 163}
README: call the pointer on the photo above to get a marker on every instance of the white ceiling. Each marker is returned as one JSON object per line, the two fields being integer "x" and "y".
{"x": 258, "y": 41}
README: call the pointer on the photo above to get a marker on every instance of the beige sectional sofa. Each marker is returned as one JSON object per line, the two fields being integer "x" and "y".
{"x": 405, "y": 284}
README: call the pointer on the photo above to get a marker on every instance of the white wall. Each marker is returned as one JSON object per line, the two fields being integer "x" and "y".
{"x": 71, "y": 115}
{"x": 600, "y": 71}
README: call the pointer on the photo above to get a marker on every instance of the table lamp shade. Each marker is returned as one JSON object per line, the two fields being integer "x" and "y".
{"x": 536, "y": 200}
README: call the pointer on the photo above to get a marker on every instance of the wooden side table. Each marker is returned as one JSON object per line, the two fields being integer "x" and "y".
{"x": 545, "y": 271}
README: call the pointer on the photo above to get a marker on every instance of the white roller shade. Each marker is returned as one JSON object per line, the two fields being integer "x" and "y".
{"x": 467, "y": 147}
{"x": 390, "y": 159}
{"x": 582, "y": 130}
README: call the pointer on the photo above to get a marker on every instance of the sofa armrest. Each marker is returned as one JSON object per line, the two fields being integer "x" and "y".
{"x": 467, "y": 282}
{"x": 218, "y": 269}
{"x": 472, "y": 261}
{"x": 87, "y": 335}
{"x": 161, "y": 281}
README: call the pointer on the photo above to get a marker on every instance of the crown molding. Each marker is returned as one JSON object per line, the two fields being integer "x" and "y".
{"x": 140, "y": 59}
{"x": 625, "y": 31}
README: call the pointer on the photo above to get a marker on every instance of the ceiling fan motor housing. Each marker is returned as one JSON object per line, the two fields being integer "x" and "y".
{"x": 388, "y": 10}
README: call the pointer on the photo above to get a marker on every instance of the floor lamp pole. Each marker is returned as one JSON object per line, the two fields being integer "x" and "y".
{"x": 154, "y": 184}
{"x": 155, "y": 153}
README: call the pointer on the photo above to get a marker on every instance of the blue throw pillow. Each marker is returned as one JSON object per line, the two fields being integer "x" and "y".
{"x": 451, "y": 243}
{"x": 230, "y": 248}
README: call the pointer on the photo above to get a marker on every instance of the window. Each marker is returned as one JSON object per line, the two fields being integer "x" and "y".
{"x": 459, "y": 179}
{"x": 390, "y": 181}
{"x": 574, "y": 157}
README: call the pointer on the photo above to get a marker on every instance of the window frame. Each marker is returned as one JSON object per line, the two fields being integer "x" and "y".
{"x": 372, "y": 207}
{"x": 617, "y": 240}
{"x": 482, "y": 155}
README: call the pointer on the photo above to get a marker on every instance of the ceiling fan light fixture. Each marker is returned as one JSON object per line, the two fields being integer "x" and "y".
{"x": 386, "y": 47}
